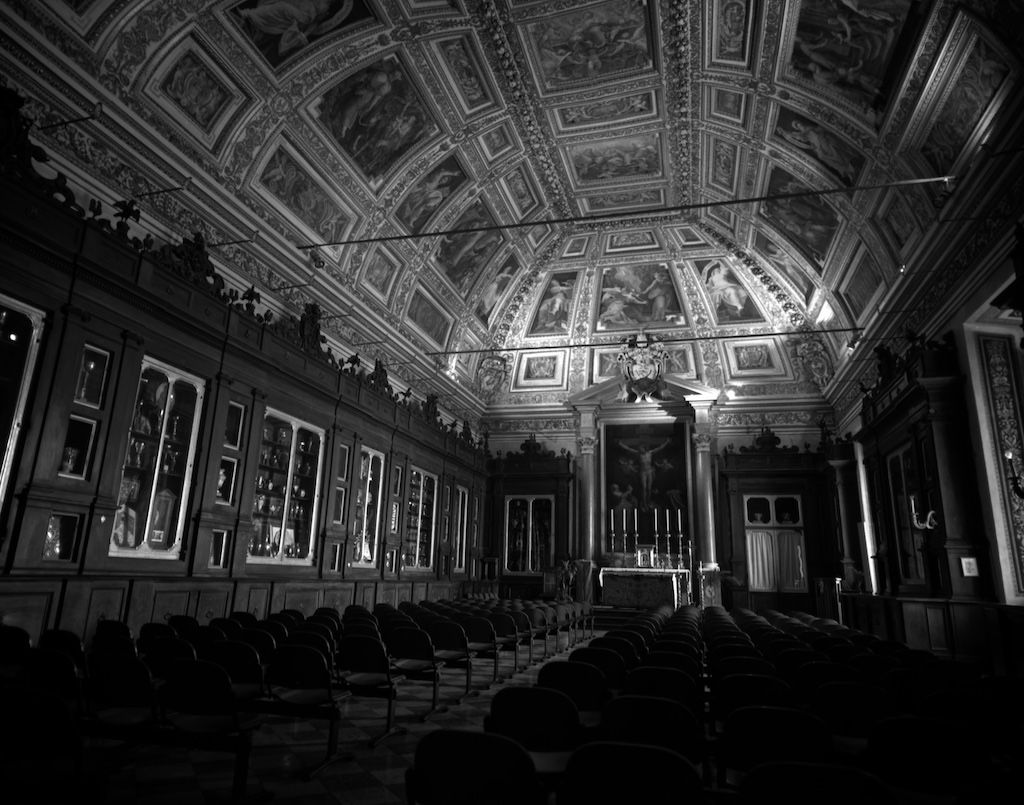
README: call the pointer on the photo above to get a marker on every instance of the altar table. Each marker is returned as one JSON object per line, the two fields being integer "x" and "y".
{"x": 644, "y": 587}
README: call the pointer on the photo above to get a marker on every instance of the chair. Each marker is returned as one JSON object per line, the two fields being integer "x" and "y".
{"x": 202, "y": 635}
{"x": 621, "y": 646}
{"x": 666, "y": 683}
{"x": 672, "y": 659}
{"x": 365, "y": 670}
{"x": 582, "y": 682}
{"x": 655, "y": 721}
{"x": 278, "y": 629}
{"x": 743, "y": 665}
{"x": 41, "y": 752}
{"x": 926, "y": 755}
{"x": 112, "y": 627}
{"x": 610, "y": 662}
{"x": 297, "y": 615}
{"x": 506, "y": 635}
{"x": 53, "y": 671}
{"x": 67, "y": 643}
{"x": 753, "y": 735}
{"x": 587, "y": 779}
{"x": 120, "y": 694}
{"x": 801, "y": 783}
{"x": 745, "y": 690}
{"x": 483, "y": 640}
{"x": 541, "y": 627}
{"x": 14, "y": 644}
{"x": 635, "y": 638}
{"x": 247, "y": 619}
{"x": 161, "y": 652}
{"x": 851, "y": 710}
{"x": 412, "y": 655}
{"x": 451, "y": 648}
{"x": 229, "y": 626}
{"x": 262, "y": 641}
{"x": 182, "y": 624}
{"x": 301, "y": 686}
{"x": 242, "y": 663}
{"x": 465, "y": 767}
{"x": 196, "y": 699}
{"x": 544, "y": 721}
{"x": 113, "y": 644}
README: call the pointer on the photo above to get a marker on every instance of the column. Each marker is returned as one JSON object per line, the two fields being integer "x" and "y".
{"x": 846, "y": 495}
{"x": 710, "y": 592}
{"x": 586, "y": 484}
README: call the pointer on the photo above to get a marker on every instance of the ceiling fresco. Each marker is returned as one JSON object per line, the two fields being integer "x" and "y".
{"x": 425, "y": 169}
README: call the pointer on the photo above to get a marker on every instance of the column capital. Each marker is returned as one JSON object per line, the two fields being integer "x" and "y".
{"x": 586, "y": 445}
{"x": 702, "y": 441}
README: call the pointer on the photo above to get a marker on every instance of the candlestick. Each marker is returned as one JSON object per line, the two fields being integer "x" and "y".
{"x": 611, "y": 520}
{"x": 623, "y": 527}
{"x": 679, "y": 520}
{"x": 655, "y": 524}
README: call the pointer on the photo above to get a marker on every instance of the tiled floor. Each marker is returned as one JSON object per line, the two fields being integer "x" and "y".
{"x": 283, "y": 748}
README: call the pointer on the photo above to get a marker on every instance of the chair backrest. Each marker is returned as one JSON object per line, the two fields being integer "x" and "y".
{"x": 760, "y": 734}
{"x": 277, "y": 628}
{"x": 239, "y": 659}
{"x": 296, "y": 667}
{"x": 296, "y": 615}
{"x": 802, "y": 783}
{"x": 108, "y": 626}
{"x": 113, "y": 644}
{"x": 361, "y": 654}
{"x": 448, "y": 636}
{"x": 653, "y": 720}
{"x": 479, "y": 630}
{"x": 667, "y": 683}
{"x": 247, "y": 619}
{"x": 162, "y": 652}
{"x": 205, "y": 634}
{"x": 635, "y": 638}
{"x": 364, "y": 628}
{"x": 120, "y": 689}
{"x": 54, "y": 671}
{"x": 156, "y": 629}
{"x": 587, "y": 779}
{"x": 541, "y": 719}
{"x": 610, "y": 662}
{"x": 197, "y": 697}
{"x": 743, "y": 690}
{"x": 229, "y": 626}
{"x": 65, "y": 642}
{"x": 619, "y": 645}
{"x": 262, "y": 641}
{"x": 466, "y": 767}
{"x": 410, "y": 644}
{"x": 582, "y": 682}
{"x": 182, "y": 623}
{"x": 504, "y": 625}
{"x": 14, "y": 643}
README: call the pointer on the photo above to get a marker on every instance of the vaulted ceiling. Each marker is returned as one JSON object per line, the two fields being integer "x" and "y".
{"x": 581, "y": 161}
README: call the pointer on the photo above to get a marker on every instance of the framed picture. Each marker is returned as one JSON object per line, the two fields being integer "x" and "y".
{"x": 969, "y": 566}
{"x": 233, "y": 426}
{"x": 78, "y": 445}
{"x": 759, "y": 357}
{"x": 92, "y": 376}
{"x": 61, "y": 543}
{"x": 862, "y": 286}
{"x": 577, "y": 246}
{"x": 540, "y": 370}
{"x": 396, "y": 481}
{"x": 226, "y": 481}
{"x": 645, "y": 556}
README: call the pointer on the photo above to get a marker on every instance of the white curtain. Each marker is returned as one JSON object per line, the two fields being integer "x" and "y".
{"x": 761, "y": 561}
{"x": 792, "y": 573}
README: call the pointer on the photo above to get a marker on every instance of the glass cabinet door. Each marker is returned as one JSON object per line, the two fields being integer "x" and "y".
{"x": 420, "y": 522}
{"x": 776, "y": 561}
{"x": 285, "y": 498}
{"x": 461, "y": 529}
{"x": 156, "y": 478}
{"x": 528, "y": 537}
{"x": 368, "y": 509}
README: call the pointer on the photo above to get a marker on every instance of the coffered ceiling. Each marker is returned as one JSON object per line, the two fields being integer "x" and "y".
{"x": 490, "y": 196}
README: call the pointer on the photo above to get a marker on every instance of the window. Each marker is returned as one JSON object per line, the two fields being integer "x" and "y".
{"x": 776, "y": 561}
{"x": 461, "y": 528}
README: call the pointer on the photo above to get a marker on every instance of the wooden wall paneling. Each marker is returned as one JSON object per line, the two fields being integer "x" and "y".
{"x": 31, "y": 606}
{"x": 973, "y": 640}
{"x": 340, "y": 595}
{"x": 172, "y": 600}
{"x": 303, "y": 598}
{"x": 253, "y": 597}
{"x": 404, "y": 593}
{"x": 366, "y": 594}
{"x": 213, "y": 601}
{"x": 86, "y": 602}
{"x": 387, "y": 594}
{"x": 419, "y": 591}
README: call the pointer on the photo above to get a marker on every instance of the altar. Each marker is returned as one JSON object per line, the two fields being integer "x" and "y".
{"x": 644, "y": 587}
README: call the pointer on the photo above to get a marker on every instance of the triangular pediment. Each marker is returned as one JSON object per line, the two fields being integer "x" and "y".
{"x": 609, "y": 392}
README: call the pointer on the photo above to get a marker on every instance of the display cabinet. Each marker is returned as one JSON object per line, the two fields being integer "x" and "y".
{"x": 287, "y": 491}
{"x": 529, "y": 542}
{"x": 152, "y": 502}
{"x": 776, "y": 559}
{"x": 369, "y": 507}
{"x": 421, "y": 520}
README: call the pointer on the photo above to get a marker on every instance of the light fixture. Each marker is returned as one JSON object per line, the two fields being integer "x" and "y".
{"x": 1015, "y": 482}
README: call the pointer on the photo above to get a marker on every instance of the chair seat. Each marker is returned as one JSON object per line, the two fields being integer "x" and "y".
{"x": 448, "y": 655}
{"x": 361, "y": 679}
{"x": 411, "y": 666}
{"x": 550, "y": 763}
